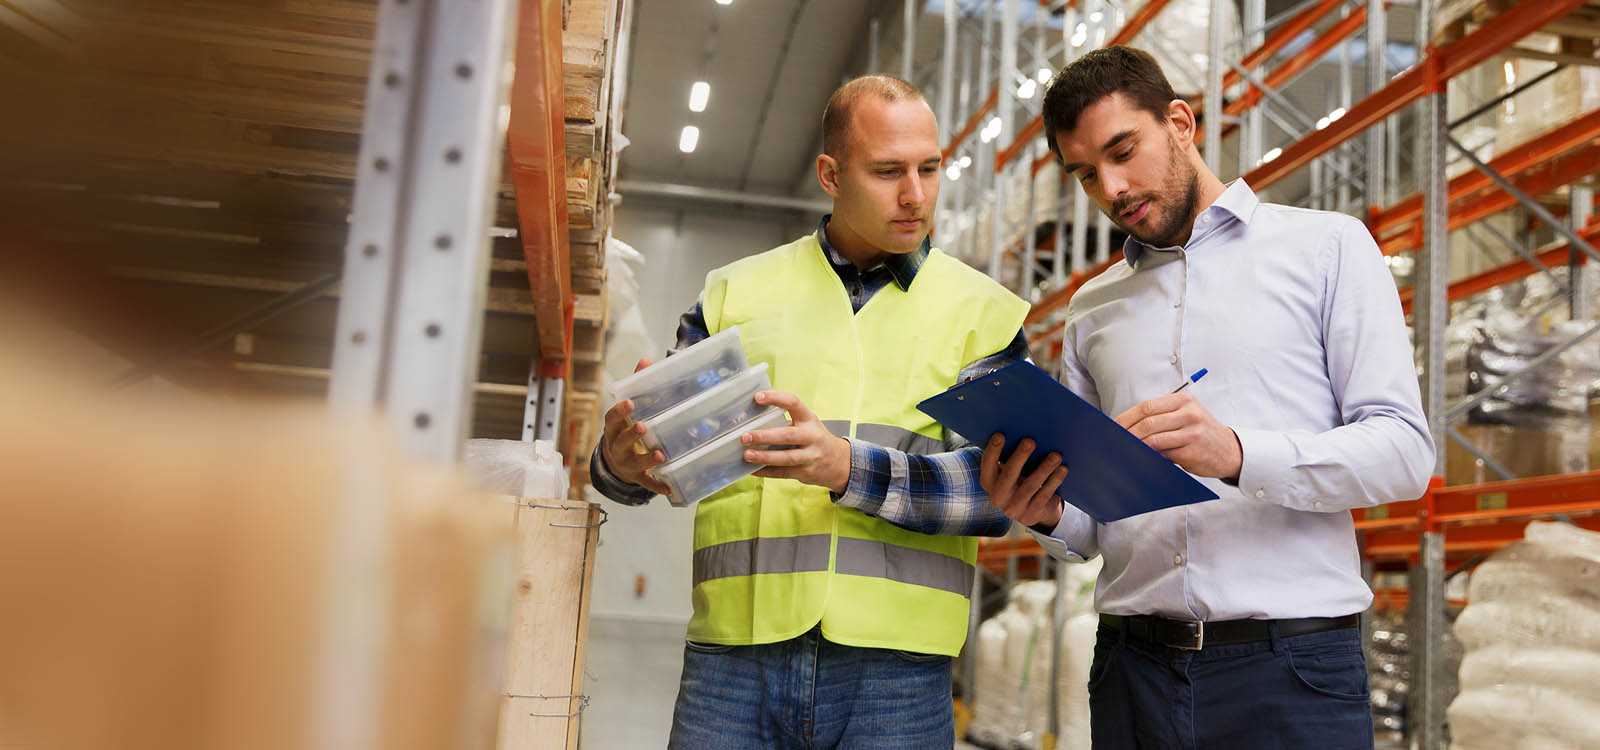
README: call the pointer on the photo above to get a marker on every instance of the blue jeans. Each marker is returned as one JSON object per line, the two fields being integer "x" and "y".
{"x": 1305, "y": 691}
{"x": 807, "y": 693}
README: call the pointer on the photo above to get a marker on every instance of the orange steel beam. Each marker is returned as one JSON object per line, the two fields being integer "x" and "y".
{"x": 972, "y": 123}
{"x": 1544, "y": 178}
{"x": 1035, "y": 126}
{"x": 1429, "y": 74}
{"x": 535, "y": 142}
{"x": 1533, "y": 153}
{"x": 1510, "y": 272}
{"x": 1301, "y": 60}
{"x": 1059, "y": 297}
{"x": 1481, "y": 517}
{"x": 1280, "y": 39}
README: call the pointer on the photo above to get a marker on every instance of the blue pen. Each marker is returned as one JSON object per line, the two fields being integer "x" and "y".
{"x": 1195, "y": 378}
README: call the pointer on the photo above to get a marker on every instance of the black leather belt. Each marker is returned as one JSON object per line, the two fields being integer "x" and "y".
{"x": 1194, "y": 636}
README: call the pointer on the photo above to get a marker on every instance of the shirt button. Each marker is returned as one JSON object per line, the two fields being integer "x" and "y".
{"x": 1261, "y": 493}
{"x": 1317, "y": 504}
{"x": 1179, "y": 303}
{"x": 1177, "y": 560}
{"x": 1174, "y": 359}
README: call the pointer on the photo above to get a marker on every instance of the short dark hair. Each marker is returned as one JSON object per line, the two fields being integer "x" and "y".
{"x": 1097, "y": 75}
{"x": 841, "y": 107}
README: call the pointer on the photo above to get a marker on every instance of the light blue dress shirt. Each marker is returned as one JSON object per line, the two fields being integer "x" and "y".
{"x": 1295, "y": 314}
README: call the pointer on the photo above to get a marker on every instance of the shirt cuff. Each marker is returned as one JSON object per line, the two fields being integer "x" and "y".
{"x": 869, "y": 478}
{"x": 606, "y": 481}
{"x": 1071, "y": 525}
{"x": 1267, "y": 470}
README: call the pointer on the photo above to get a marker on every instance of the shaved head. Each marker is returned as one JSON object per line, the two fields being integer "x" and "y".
{"x": 840, "y": 113}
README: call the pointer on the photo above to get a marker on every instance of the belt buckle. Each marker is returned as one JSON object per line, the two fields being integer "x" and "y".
{"x": 1199, "y": 630}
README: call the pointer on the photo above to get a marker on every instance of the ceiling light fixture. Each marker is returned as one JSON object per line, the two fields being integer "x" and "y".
{"x": 699, "y": 94}
{"x": 689, "y": 139}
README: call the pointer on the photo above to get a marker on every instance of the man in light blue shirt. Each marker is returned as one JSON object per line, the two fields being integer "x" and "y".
{"x": 1231, "y": 623}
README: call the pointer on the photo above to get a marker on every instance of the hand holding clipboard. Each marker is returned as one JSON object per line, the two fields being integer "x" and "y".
{"x": 1113, "y": 474}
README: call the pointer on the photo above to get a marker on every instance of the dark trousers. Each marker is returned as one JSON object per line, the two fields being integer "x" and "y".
{"x": 1305, "y": 691}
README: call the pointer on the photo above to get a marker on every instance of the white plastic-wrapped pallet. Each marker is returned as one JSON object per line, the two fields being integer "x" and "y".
{"x": 1531, "y": 630}
{"x": 1077, "y": 654}
{"x": 991, "y": 699}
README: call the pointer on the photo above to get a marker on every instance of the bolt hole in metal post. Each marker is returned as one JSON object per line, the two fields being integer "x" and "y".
{"x": 463, "y": 71}
{"x": 370, "y": 251}
{"x": 422, "y": 420}
{"x": 442, "y": 242}
{"x": 432, "y": 330}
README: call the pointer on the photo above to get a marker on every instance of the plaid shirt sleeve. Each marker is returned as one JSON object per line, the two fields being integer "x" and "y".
{"x": 691, "y": 330}
{"x": 931, "y": 494}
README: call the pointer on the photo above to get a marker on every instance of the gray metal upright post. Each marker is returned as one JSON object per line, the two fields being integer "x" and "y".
{"x": 1251, "y": 131}
{"x": 1005, "y": 109}
{"x": 1580, "y": 275}
{"x": 1067, "y": 193}
{"x": 874, "y": 34}
{"x": 410, "y": 316}
{"x": 983, "y": 153}
{"x": 1377, "y": 77}
{"x": 1343, "y": 153}
{"x": 1215, "y": 65}
{"x": 1431, "y": 312}
{"x": 947, "y": 126}
{"x": 908, "y": 39}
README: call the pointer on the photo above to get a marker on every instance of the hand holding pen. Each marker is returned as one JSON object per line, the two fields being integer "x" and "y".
{"x": 1179, "y": 427}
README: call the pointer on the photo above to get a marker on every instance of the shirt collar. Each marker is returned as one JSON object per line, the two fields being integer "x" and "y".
{"x": 1237, "y": 201}
{"x": 902, "y": 267}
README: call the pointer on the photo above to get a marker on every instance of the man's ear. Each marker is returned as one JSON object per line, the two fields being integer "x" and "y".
{"x": 828, "y": 174}
{"x": 1182, "y": 119}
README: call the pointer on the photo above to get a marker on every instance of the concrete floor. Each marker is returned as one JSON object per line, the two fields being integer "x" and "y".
{"x": 632, "y": 682}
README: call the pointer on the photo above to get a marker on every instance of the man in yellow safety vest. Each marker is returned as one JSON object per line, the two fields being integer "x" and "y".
{"x": 832, "y": 588}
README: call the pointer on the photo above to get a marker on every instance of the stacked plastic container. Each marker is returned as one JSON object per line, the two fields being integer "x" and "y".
{"x": 695, "y": 405}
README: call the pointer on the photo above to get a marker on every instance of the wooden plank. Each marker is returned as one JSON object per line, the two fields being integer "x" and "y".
{"x": 587, "y": 255}
{"x": 34, "y": 30}
{"x": 583, "y": 71}
{"x": 556, "y": 543}
{"x": 588, "y": 280}
{"x": 60, "y": 20}
{"x": 582, "y": 139}
{"x": 589, "y": 308}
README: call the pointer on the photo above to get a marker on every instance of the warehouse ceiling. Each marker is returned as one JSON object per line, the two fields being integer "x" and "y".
{"x": 771, "y": 65}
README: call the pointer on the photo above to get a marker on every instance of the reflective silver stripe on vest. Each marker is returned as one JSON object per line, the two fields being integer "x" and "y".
{"x": 865, "y": 557}
{"x": 786, "y": 554}
{"x": 839, "y": 427}
{"x": 899, "y": 437}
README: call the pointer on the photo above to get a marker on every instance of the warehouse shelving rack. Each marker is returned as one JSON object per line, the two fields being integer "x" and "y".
{"x": 1449, "y": 525}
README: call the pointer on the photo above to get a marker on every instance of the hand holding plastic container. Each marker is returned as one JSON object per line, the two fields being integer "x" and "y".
{"x": 694, "y": 408}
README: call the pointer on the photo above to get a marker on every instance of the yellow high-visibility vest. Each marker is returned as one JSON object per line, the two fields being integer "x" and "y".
{"x": 774, "y": 557}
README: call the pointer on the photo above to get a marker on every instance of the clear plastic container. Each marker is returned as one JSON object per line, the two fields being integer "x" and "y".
{"x": 715, "y": 465}
{"x": 708, "y": 415}
{"x": 681, "y": 376}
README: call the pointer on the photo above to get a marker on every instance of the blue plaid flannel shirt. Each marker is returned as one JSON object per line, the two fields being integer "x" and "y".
{"x": 935, "y": 493}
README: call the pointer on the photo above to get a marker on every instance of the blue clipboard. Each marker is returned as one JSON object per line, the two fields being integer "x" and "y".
{"x": 1111, "y": 474}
